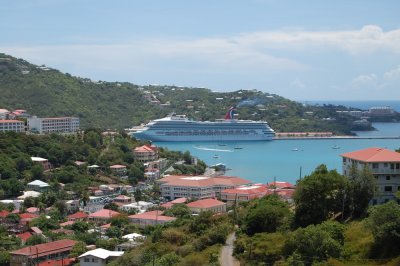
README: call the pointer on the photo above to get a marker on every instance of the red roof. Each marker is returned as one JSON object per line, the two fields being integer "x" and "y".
{"x": 67, "y": 223}
{"x": 203, "y": 181}
{"x": 117, "y": 166}
{"x": 153, "y": 215}
{"x": 280, "y": 184}
{"x": 32, "y": 210}
{"x": 10, "y": 121}
{"x": 24, "y": 236}
{"x": 175, "y": 201}
{"x": 104, "y": 213}
{"x": 247, "y": 190}
{"x": 205, "y": 203}
{"x": 78, "y": 215}
{"x": 28, "y": 215}
{"x": 46, "y": 248}
{"x": 372, "y": 155}
{"x": 145, "y": 148}
{"x": 4, "y": 213}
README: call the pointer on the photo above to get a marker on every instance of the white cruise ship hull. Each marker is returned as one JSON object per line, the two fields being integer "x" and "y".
{"x": 188, "y": 138}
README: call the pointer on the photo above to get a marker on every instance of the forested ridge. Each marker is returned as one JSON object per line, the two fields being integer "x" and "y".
{"x": 47, "y": 92}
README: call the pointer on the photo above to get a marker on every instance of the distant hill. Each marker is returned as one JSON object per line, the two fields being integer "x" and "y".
{"x": 48, "y": 92}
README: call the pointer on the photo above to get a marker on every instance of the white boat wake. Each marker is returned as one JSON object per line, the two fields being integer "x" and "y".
{"x": 211, "y": 149}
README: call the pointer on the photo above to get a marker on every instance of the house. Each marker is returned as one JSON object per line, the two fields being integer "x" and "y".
{"x": 78, "y": 216}
{"x": 171, "y": 203}
{"x": 118, "y": 169}
{"x": 24, "y": 237}
{"x": 134, "y": 237}
{"x": 42, "y": 161}
{"x": 38, "y": 186}
{"x": 72, "y": 205}
{"x": 25, "y": 218}
{"x": 243, "y": 193}
{"x": 94, "y": 204}
{"x": 384, "y": 164}
{"x": 98, "y": 257}
{"x": 212, "y": 205}
{"x": 53, "y": 124}
{"x": 145, "y": 153}
{"x": 33, "y": 255}
{"x": 102, "y": 216}
{"x": 197, "y": 187}
{"x": 12, "y": 125}
{"x": 122, "y": 200}
{"x": 140, "y": 206}
{"x": 30, "y": 193}
{"x": 150, "y": 218}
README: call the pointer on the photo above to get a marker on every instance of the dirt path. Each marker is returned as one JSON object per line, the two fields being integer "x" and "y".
{"x": 225, "y": 257}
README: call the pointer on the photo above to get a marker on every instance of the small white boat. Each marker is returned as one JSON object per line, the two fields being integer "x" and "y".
{"x": 215, "y": 156}
{"x": 335, "y": 147}
{"x": 295, "y": 149}
{"x": 238, "y": 148}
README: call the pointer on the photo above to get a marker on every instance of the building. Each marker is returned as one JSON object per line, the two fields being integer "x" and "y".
{"x": 197, "y": 187}
{"x": 381, "y": 111}
{"x": 42, "y": 161}
{"x": 33, "y": 255}
{"x": 94, "y": 204}
{"x": 78, "y": 216}
{"x": 150, "y": 218}
{"x": 121, "y": 200}
{"x": 98, "y": 257}
{"x": 244, "y": 193}
{"x": 102, "y": 216}
{"x": 12, "y": 125}
{"x": 145, "y": 153}
{"x": 384, "y": 164}
{"x": 212, "y": 205}
{"x": 38, "y": 186}
{"x": 4, "y": 113}
{"x": 139, "y": 206}
{"x": 53, "y": 125}
{"x": 118, "y": 169}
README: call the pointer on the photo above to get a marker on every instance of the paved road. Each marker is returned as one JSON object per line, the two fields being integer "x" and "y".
{"x": 225, "y": 257}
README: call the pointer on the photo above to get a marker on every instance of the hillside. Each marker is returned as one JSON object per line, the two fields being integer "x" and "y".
{"x": 48, "y": 92}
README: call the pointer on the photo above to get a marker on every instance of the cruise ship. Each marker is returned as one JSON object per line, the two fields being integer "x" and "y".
{"x": 180, "y": 128}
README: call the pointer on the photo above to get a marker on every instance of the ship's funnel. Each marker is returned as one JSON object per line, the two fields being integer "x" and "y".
{"x": 230, "y": 114}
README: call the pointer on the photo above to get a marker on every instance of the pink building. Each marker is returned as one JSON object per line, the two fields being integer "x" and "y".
{"x": 150, "y": 218}
{"x": 213, "y": 205}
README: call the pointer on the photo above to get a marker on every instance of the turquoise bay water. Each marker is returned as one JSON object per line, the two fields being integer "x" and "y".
{"x": 260, "y": 161}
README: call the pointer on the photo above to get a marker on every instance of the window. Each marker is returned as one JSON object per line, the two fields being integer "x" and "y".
{"x": 387, "y": 177}
{"x": 86, "y": 260}
{"x": 385, "y": 164}
{"x": 375, "y": 165}
{"x": 388, "y": 188}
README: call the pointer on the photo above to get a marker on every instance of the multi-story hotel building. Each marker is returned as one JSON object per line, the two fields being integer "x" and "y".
{"x": 53, "y": 125}
{"x": 12, "y": 125}
{"x": 384, "y": 164}
{"x": 197, "y": 187}
{"x": 145, "y": 153}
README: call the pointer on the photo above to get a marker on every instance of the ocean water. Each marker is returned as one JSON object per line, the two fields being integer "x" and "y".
{"x": 286, "y": 160}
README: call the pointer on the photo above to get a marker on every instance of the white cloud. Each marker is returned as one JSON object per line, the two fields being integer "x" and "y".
{"x": 392, "y": 75}
{"x": 362, "y": 81}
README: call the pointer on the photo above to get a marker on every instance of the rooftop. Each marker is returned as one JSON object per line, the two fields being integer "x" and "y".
{"x": 38, "y": 183}
{"x": 373, "y": 155}
{"x": 153, "y": 215}
{"x": 104, "y": 213}
{"x": 102, "y": 253}
{"x": 202, "y": 181}
{"x": 205, "y": 203}
{"x": 46, "y": 248}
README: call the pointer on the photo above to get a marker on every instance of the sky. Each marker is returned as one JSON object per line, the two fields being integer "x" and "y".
{"x": 302, "y": 50}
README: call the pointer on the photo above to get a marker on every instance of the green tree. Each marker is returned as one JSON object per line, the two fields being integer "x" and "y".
{"x": 169, "y": 259}
{"x": 35, "y": 240}
{"x": 267, "y": 214}
{"x": 37, "y": 172}
{"x": 78, "y": 249}
{"x": 384, "y": 221}
{"x": 313, "y": 244}
{"x": 319, "y": 196}
{"x": 179, "y": 210}
{"x": 360, "y": 191}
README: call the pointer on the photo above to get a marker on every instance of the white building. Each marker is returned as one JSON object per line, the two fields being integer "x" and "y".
{"x": 12, "y": 125}
{"x": 384, "y": 164}
{"x": 38, "y": 185}
{"x": 98, "y": 257}
{"x": 53, "y": 125}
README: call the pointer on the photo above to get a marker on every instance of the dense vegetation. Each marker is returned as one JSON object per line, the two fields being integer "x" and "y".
{"x": 48, "y": 92}
{"x": 329, "y": 224}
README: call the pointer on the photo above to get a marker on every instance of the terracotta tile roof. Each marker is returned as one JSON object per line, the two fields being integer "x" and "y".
{"x": 203, "y": 181}
{"x": 4, "y": 213}
{"x": 106, "y": 226}
{"x": 175, "y": 201}
{"x": 32, "y": 210}
{"x": 145, "y": 148}
{"x": 67, "y": 223}
{"x": 10, "y": 121}
{"x": 371, "y": 155}
{"x": 205, "y": 203}
{"x": 247, "y": 190}
{"x": 78, "y": 215}
{"x": 24, "y": 236}
{"x": 36, "y": 230}
{"x": 104, "y": 213}
{"x": 46, "y": 248}
{"x": 117, "y": 166}
{"x": 153, "y": 215}
{"x": 280, "y": 184}
{"x": 28, "y": 215}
